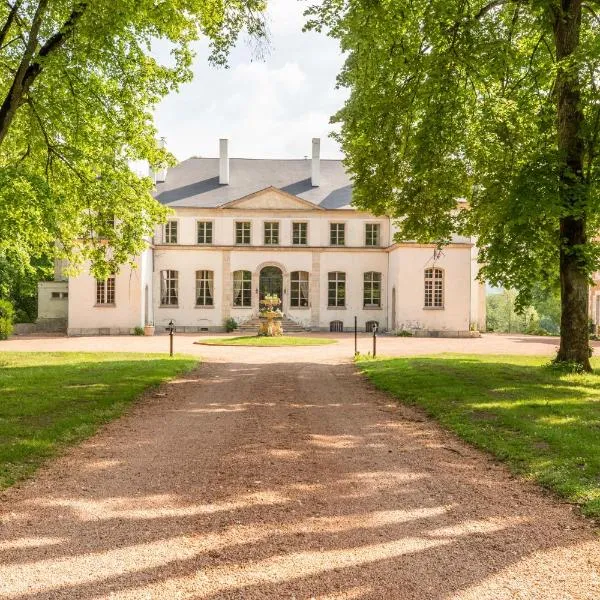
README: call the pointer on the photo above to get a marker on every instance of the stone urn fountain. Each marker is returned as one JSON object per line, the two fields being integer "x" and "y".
{"x": 270, "y": 316}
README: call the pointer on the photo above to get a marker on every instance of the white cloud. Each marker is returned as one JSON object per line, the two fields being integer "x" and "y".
{"x": 269, "y": 108}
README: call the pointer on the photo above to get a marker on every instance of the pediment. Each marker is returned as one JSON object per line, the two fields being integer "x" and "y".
{"x": 271, "y": 198}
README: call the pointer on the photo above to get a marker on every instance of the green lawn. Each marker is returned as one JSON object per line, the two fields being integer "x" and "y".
{"x": 49, "y": 400}
{"x": 544, "y": 424}
{"x": 256, "y": 340}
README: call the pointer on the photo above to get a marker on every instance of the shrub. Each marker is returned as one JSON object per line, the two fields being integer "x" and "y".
{"x": 138, "y": 330}
{"x": 403, "y": 333}
{"x": 7, "y": 318}
{"x": 230, "y": 324}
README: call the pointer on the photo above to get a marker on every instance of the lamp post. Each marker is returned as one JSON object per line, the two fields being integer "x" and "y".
{"x": 171, "y": 330}
{"x": 374, "y": 340}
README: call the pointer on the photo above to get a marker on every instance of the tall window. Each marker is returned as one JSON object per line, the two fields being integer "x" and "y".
{"x": 434, "y": 288}
{"x": 372, "y": 290}
{"x": 336, "y": 294}
{"x": 299, "y": 234}
{"x": 242, "y": 288}
{"x": 105, "y": 291}
{"x": 242, "y": 232}
{"x": 271, "y": 232}
{"x": 204, "y": 288}
{"x": 171, "y": 232}
{"x": 337, "y": 234}
{"x": 372, "y": 234}
{"x": 299, "y": 289}
{"x": 205, "y": 232}
{"x": 169, "y": 288}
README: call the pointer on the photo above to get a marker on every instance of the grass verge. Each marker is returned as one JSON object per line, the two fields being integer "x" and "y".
{"x": 256, "y": 340}
{"x": 51, "y": 400}
{"x": 543, "y": 423}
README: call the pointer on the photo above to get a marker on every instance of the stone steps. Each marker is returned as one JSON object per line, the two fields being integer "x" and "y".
{"x": 252, "y": 325}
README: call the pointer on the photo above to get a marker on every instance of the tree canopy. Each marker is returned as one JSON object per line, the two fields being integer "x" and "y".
{"x": 78, "y": 84}
{"x": 495, "y": 102}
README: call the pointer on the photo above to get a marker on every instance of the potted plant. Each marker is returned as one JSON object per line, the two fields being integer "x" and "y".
{"x": 270, "y": 316}
{"x": 149, "y": 329}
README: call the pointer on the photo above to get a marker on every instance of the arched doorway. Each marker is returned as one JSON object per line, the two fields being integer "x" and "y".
{"x": 270, "y": 282}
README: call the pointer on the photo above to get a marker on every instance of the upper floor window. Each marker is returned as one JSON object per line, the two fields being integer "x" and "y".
{"x": 242, "y": 232}
{"x": 171, "y": 232}
{"x": 271, "y": 232}
{"x": 372, "y": 234}
{"x": 204, "y": 288}
{"x": 337, "y": 234}
{"x": 372, "y": 290}
{"x": 299, "y": 289}
{"x": 299, "y": 234}
{"x": 169, "y": 288}
{"x": 205, "y": 232}
{"x": 105, "y": 291}
{"x": 242, "y": 288}
{"x": 434, "y": 288}
{"x": 336, "y": 291}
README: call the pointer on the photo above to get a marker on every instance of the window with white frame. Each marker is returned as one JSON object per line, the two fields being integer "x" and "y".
{"x": 169, "y": 288}
{"x": 434, "y": 288}
{"x": 337, "y": 234}
{"x": 171, "y": 232}
{"x": 242, "y": 232}
{"x": 204, "y": 288}
{"x": 299, "y": 289}
{"x": 242, "y": 289}
{"x": 372, "y": 234}
{"x": 299, "y": 234}
{"x": 336, "y": 290}
{"x": 105, "y": 291}
{"x": 372, "y": 290}
{"x": 205, "y": 232}
{"x": 271, "y": 232}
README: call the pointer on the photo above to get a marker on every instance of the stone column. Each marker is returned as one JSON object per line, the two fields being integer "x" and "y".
{"x": 315, "y": 290}
{"x": 227, "y": 285}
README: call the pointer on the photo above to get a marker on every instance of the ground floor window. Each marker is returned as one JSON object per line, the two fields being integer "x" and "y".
{"x": 204, "y": 288}
{"x": 336, "y": 293}
{"x": 169, "y": 288}
{"x": 299, "y": 289}
{"x": 105, "y": 291}
{"x": 242, "y": 288}
{"x": 372, "y": 290}
{"x": 434, "y": 288}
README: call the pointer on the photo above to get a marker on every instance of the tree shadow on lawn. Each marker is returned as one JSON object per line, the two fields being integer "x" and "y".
{"x": 272, "y": 481}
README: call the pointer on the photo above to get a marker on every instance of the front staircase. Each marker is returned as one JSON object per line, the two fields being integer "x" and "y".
{"x": 251, "y": 326}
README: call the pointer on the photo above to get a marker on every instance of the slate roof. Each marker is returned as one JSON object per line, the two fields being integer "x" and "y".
{"x": 195, "y": 182}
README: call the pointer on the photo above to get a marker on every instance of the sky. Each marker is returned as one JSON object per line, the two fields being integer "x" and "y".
{"x": 268, "y": 108}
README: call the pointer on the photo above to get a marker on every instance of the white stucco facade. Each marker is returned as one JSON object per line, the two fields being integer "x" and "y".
{"x": 346, "y": 269}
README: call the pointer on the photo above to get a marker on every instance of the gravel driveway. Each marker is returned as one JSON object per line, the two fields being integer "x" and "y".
{"x": 279, "y": 475}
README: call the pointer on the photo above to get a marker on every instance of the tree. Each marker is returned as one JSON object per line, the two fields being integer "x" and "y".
{"x": 493, "y": 101}
{"x": 78, "y": 84}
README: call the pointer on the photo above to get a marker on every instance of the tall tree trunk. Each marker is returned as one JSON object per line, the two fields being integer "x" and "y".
{"x": 574, "y": 345}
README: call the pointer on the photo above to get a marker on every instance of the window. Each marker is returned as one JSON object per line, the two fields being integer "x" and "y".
{"x": 205, "y": 232}
{"x": 242, "y": 232}
{"x": 434, "y": 288}
{"x": 271, "y": 233}
{"x": 299, "y": 234}
{"x": 242, "y": 288}
{"x": 372, "y": 290}
{"x": 370, "y": 325}
{"x": 169, "y": 288}
{"x": 204, "y": 288}
{"x": 336, "y": 326}
{"x": 336, "y": 295}
{"x": 299, "y": 289}
{"x": 372, "y": 234}
{"x": 337, "y": 234}
{"x": 105, "y": 291}
{"x": 171, "y": 232}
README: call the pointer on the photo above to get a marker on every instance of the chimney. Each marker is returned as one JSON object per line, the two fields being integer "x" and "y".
{"x": 316, "y": 160}
{"x": 224, "y": 161}
{"x": 160, "y": 175}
